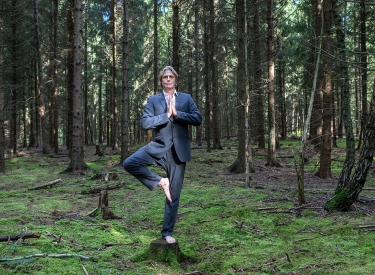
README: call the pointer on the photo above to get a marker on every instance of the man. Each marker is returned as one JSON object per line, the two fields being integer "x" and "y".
{"x": 169, "y": 113}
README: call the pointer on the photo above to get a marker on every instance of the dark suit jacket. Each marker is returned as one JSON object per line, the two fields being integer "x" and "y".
{"x": 170, "y": 131}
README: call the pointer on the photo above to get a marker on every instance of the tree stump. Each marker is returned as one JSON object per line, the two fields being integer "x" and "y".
{"x": 97, "y": 151}
{"x": 161, "y": 251}
{"x": 103, "y": 207}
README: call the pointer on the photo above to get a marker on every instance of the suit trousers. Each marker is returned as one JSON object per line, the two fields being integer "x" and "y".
{"x": 137, "y": 164}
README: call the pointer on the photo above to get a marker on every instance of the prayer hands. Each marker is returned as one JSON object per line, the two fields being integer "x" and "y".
{"x": 171, "y": 109}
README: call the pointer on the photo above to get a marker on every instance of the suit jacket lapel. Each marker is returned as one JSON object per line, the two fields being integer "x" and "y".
{"x": 162, "y": 101}
{"x": 177, "y": 102}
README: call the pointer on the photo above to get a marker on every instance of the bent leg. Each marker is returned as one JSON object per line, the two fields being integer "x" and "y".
{"x": 136, "y": 165}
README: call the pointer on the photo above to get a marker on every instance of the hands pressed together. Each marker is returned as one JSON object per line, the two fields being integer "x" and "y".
{"x": 171, "y": 108}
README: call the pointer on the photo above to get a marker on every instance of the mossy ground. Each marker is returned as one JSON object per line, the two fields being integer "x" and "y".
{"x": 223, "y": 227}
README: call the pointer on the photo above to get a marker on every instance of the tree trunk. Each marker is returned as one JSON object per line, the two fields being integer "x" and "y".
{"x": 363, "y": 66}
{"x": 207, "y": 86}
{"x": 345, "y": 99}
{"x": 198, "y": 94}
{"x": 85, "y": 91}
{"x": 176, "y": 35}
{"x": 271, "y": 155}
{"x": 239, "y": 166}
{"x": 125, "y": 88}
{"x": 77, "y": 161}
{"x": 2, "y": 92}
{"x": 156, "y": 47}
{"x": 216, "y": 144}
{"x": 258, "y": 82}
{"x": 14, "y": 80}
{"x": 100, "y": 112}
{"x": 349, "y": 194}
{"x": 54, "y": 87}
{"x": 325, "y": 155}
{"x": 70, "y": 75}
{"x": 114, "y": 111}
{"x": 41, "y": 107}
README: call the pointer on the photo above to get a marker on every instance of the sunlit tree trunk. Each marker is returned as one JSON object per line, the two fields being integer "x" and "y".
{"x": 77, "y": 161}
{"x": 125, "y": 85}
{"x": 271, "y": 155}
{"x": 41, "y": 107}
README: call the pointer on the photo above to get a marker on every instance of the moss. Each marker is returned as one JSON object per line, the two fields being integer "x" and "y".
{"x": 338, "y": 202}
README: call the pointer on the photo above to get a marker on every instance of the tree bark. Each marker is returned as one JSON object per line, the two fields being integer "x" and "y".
{"x": 2, "y": 92}
{"x": 207, "y": 82}
{"x": 125, "y": 84}
{"x": 325, "y": 154}
{"x": 114, "y": 111}
{"x": 176, "y": 36}
{"x": 77, "y": 161}
{"x": 271, "y": 155}
{"x": 42, "y": 111}
{"x": 70, "y": 75}
{"x": 198, "y": 94}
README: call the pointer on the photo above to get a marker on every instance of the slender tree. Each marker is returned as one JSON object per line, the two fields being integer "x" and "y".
{"x": 2, "y": 91}
{"x": 197, "y": 69}
{"x": 207, "y": 78}
{"x": 114, "y": 111}
{"x": 125, "y": 84}
{"x": 271, "y": 155}
{"x": 77, "y": 161}
{"x": 41, "y": 107}
{"x": 176, "y": 35}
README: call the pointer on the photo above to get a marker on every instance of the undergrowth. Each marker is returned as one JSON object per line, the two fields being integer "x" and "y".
{"x": 223, "y": 227}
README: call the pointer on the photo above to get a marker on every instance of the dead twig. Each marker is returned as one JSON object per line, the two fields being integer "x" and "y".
{"x": 45, "y": 255}
{"x": 84, "y": 269}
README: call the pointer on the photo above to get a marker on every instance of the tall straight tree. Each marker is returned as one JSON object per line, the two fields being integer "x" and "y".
{"x": 2, "y": 90}
{"x": 70, "y": 74}
{"x": 14, "y": 78}
{"x": 156, "y": 47}
{"x": 176, "y": 35}
{"x": 343, "y": 81}
{"x": 41, "y": 107}
{"x": 271, "y": 155}
{"x": 326, "y": 150}
{"x": 77, "y": 160}
{"x": 114, "y": 111}
{"x": 125, "y": 83}
{"x": 239, "y": 166}
{"x": 207, "y": 77}
{"x": 216, "y": 144}
{"x": 363, "y": 42}
{"x": 197, "y": 68}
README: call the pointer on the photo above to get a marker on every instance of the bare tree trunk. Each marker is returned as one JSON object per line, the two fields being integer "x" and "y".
{"x": 156, "y": 48}
{"x": 363, "y": 38}
{"x": 14, "y": 79}
{"x": 197, "y": 69}
{"x": 114, "y": 114}
{"x": 42, "y": 112}
{"x": 100, "y": 112}
{"x": 207, "y": 86}
{"x": 344, "y": 84}
{"x": 271, "y": 155}
{"x": 325, "y": 155}
{"x": 125, "y": 87}
{"x": 77, "y": 161}
{"x": 2, "y": 92}
{"x": 239, "y": 166}
{"x": 176, "y": 35}
{"x": 70, "y": 74}
{"x": 85, "y": 91}
{"x": 216, "y": 144}
{"x": 54, "y": 87}
{"x": 259, "y": 103}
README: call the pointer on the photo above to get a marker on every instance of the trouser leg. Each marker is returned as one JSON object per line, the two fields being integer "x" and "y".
{"x": 136, "y": 165}
{"x": 176, "y": 171}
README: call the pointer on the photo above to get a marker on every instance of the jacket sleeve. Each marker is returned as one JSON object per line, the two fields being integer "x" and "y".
{"x": 150, "y": 118}
{"x": 192, "y": 116}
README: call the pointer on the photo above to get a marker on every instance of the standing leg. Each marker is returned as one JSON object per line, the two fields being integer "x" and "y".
{"x": 176, "y": 171}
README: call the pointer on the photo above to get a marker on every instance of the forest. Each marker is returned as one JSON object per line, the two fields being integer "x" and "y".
{"x": 287, "y": 94}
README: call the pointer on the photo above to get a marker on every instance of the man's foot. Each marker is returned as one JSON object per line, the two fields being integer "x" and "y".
{"x": 170, "y": 239}
{"x": 164, "y": 183}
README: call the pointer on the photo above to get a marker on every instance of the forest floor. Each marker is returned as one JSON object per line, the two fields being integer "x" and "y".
{"x": 223, "y": 226}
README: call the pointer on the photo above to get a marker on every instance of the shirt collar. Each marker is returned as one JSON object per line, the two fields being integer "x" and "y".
{"x": 174, "y": 93}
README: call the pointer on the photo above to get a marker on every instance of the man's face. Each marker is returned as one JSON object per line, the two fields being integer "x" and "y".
{"x": 168, "y": 80}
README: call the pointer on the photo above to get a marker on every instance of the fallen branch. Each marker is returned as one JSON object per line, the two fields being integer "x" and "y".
{"x": 49, "y": 184}
{"x": 45, "y": 255}
{"x": 84, "y": 269}
{"x": 98, "y": 189}
{"x": 19, "y": 236}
